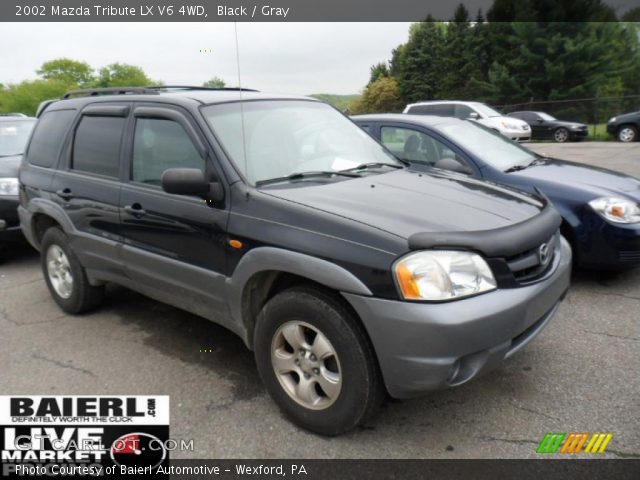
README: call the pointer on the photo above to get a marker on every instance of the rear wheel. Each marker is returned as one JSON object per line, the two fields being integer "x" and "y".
{"x": 627, "y": 133}
{"x": 65, "y": 277}
{"x": 316, "y": 362}
{"x": 560, "y": 135}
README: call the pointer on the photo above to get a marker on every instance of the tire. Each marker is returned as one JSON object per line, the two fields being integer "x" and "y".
{"x": 561, "y": 135}
{"x": 627, "y": 134}
{"x": 59, "y": 263}
{"x": 356, "y": 387}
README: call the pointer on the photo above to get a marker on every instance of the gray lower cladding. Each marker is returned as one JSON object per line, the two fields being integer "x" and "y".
{"x": 430, "y": 346}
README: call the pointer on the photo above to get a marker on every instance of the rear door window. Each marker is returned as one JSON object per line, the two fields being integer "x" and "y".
{"x": 96, "y": 147}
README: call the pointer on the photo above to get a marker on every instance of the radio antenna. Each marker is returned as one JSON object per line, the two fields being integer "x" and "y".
{"x": 244, "y": 140}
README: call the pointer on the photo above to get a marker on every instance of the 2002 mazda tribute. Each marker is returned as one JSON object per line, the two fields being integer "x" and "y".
{"x": 347, "y": 272}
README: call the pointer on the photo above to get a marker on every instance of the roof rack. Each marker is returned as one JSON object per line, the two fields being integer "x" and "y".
{"x": 192, "y": 87}
{"x": 92, "y": 92}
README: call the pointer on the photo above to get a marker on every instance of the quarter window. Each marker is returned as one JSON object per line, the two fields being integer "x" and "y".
{"x": 158, "y": 145}
{"x": 48, "y": 137}
{"x": 96, "y": 148}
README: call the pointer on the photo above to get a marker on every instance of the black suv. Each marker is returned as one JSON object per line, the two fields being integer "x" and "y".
{"x": 15, "y": 129}
{"x": 347, "y": 272}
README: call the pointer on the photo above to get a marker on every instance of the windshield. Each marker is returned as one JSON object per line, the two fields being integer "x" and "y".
{"x": 545, "y": 116}
{"x": 489, "y": 146}
{"x": 281, "y": 138}
{"x": 14, "y": 136}
{"x": 486, "y": 111}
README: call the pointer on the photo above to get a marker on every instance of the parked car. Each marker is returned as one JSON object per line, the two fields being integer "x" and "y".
{"x": 546, "y": 127}
{"x": 14, "y": 133}
{"x": 600, "y": 208}
{"x": 346, "y": 272}
{"x": 625, "y": 127}
{"x": 512, "y": 128}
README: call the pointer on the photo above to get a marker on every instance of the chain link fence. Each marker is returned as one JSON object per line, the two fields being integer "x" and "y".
{"x": 593, "y": 111}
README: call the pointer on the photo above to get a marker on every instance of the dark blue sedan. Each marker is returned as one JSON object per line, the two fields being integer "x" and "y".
{"x": 600, "y": 208}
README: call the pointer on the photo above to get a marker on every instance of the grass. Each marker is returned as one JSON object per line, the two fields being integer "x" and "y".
{"x": 598, "y": 132}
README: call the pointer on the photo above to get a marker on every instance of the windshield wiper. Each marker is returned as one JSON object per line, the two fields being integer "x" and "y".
{"x": 365, "y": 166}
{"x": 301, "y": 175}
{"x": 517, "y": 168}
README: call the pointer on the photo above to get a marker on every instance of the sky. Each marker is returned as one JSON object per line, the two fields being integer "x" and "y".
{"x": 296, "y": 58}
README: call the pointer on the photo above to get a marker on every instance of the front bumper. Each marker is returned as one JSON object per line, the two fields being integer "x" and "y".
{"x": 9, "y": 223}
{"x": 604, "y": 245}
{"x": 517, "y": 134}
{"x": 422, "y": 347}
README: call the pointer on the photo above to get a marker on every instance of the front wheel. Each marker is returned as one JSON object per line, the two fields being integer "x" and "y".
{"x": 316, "y": 362}
{"x": 627, "y": 133}
{"x": 561, "y": 135}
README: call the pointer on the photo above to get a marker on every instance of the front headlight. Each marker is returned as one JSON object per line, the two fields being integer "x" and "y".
{"x": 509, "y": 125}
{"x": 442, "y": 275}
{"x": 612, "y": 119}
{"x": 618, "y": 210}
{"x": 8, "y": 186}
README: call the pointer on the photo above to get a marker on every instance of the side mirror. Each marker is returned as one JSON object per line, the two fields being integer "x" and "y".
{"x": 539, "y": 120}
{"x": 474, "y": 116}
{"x": 453, "y": 165}
{"x": 191, "y": 181}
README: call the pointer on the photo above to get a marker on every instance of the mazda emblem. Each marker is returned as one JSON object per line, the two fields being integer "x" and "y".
{"x": 543, "y": 254}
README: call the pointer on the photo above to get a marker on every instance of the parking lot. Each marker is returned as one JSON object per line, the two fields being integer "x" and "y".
{"x": 579, "y": 375}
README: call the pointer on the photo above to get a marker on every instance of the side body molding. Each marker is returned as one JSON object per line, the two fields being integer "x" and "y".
{"x": 265, "y": 259}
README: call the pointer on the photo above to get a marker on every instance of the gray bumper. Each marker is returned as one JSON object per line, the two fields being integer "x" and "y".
{"x": 423, "y": 347}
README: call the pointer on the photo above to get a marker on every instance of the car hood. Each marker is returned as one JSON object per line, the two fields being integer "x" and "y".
{"x": 565, "y": 173}
{"x": 406, "y": 202}
{"x": 627, "y": 116}
{"x": 9, "y": 166}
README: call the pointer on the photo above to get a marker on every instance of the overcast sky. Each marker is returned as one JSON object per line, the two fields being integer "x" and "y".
{"x": 297, "y": 58}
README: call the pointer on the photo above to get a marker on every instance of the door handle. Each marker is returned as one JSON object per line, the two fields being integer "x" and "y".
{"x": 65, "y": 194}
{"x": 135, "y": 210}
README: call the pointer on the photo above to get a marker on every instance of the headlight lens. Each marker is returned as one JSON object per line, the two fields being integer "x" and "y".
{"x": 442, "y": 275}
{"x": 612, "y": 119}
{"x": 8, "y": 186}
{"x": 510, "y": 125}
{"x": 618, "y": 210}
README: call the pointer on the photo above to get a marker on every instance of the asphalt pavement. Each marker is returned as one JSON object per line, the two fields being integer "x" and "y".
{"x": 580, "y": 375}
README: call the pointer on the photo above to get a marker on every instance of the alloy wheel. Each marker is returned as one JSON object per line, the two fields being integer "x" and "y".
{"x": 306, "y": 365}
{"x": 626, "y": 134}
{"x": 561, "y": 135}
{"x": 59, "y": 271}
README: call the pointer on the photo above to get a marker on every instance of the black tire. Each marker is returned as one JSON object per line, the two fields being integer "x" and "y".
{"x": 361, "y": 391}
{"x": 83, "y": 296}
{"x": 561, "y": 135}
{"x": 627, "y": 134}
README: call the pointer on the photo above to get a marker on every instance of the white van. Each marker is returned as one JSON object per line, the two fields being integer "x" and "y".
{"x": 512, "y": 128}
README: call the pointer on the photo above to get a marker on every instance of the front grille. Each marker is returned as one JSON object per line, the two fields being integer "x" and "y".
{"x": 528, "y": 266}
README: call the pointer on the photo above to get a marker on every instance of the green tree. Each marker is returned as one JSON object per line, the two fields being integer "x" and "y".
{"x": 68, "y": 71}
{"x": 25, "y": 97}
{"x": 377, "y": 71}
{"x": 122, "y": 75}
{"x": 215, "y": 82}
{"x": 418, "y": 65}
{"x": 459, "y": 62}
{"x": 382, "y": 95}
